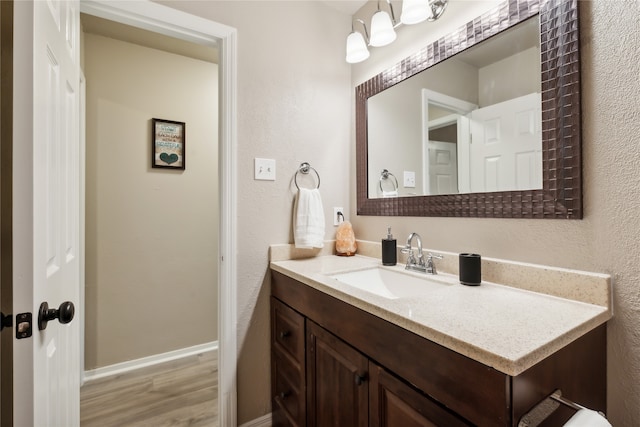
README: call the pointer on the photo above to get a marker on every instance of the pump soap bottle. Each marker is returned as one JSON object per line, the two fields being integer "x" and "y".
{"x": 389, "y": 249}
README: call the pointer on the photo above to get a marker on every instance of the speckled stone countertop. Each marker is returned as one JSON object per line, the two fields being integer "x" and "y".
{"x": 509, "y": 327}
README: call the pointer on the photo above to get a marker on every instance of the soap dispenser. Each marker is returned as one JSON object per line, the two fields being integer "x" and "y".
{"x": 389, "y": 249}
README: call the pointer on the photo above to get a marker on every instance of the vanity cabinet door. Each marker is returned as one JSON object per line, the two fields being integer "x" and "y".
{"x": 393, "y": 403}
{"x": 337, "y": 390}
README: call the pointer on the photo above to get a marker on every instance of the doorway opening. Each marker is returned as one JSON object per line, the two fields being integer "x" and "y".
{"x": 169, "y": 22}
{"x": 151, "y": 237}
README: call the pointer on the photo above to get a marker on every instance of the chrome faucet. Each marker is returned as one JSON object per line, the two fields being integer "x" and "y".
{"x": 419, "y": 263}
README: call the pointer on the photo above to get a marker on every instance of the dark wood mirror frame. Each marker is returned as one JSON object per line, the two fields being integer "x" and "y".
{"x": 561, "y": 195}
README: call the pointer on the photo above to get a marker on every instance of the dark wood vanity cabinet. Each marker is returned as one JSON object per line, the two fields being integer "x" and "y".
{"x": 336, "y": 365}
{"x": 337, "y": 386}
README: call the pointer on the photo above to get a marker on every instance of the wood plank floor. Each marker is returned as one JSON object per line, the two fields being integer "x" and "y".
{"x": 181, "y": 392}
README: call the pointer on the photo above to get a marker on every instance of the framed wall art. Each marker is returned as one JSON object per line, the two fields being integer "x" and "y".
{"x": 168, "y": 144}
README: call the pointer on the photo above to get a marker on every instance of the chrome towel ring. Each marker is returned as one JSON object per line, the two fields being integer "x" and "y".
{"x": 384, "y": 175}
{"x": 305, "y": 168}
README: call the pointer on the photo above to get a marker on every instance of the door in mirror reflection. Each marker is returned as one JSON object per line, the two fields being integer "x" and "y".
{"x": 505, "y": 150}
{"x": 446, "y": 139}
{"x": 442, "y": 167}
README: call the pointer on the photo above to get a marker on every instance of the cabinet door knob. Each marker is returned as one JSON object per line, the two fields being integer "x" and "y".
{"x": 284, "y": 394}
{"x": 360, "y": 379}
{"x": 284, "y": 334}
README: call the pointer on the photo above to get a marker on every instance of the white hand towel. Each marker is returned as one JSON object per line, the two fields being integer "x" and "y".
{"x": 308, "y": 219}
{"x": 393, "y": 193}
{"x": 587, "y": 418}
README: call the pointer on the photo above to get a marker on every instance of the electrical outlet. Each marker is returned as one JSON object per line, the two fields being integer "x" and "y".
{"x": 409, "y": 179}
{"x": 265, "y": 169}
{"x": 337, "y": 219}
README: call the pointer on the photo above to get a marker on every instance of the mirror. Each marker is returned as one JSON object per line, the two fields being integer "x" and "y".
{"x": 430, "y": 146}
{"x": 420, "y": 131}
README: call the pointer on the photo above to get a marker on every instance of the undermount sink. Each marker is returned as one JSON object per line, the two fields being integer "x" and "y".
{"x": 391, "y": 284}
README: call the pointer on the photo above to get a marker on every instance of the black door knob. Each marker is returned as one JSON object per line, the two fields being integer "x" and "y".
{"x": 5, "y": 321}
{"x": 64, "y": 314}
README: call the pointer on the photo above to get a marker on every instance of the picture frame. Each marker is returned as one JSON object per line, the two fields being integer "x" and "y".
{"x": 168, "y": 144}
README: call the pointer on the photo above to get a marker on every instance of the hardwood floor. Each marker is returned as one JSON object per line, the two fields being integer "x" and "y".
{"x": 181, "y": 392}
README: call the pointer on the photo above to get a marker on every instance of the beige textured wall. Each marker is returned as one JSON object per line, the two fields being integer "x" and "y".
{"x": 294, "y": 105}
{"x": 152, "y": 234}
{"x": 607, "y": 239}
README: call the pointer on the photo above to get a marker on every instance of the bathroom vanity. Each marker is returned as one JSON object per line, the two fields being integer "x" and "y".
{"x": 345, "y": 356}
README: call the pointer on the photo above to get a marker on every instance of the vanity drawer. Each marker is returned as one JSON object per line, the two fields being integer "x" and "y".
{"x": 288, "y": 389}
{"x": 287, "y": 331}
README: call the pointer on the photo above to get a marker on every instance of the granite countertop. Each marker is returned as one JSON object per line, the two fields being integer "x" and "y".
{"x": 505, "y": 327}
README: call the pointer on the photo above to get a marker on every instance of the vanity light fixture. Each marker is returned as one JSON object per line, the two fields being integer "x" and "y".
{"x": 383, "y": 26}
{"x": 356, "y": 45}
{"x": 382, "y": 32}
{"x": 414, "y": 12}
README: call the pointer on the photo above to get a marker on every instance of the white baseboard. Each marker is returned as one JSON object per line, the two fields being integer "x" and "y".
{"x": 264, "y": 421}
{"x": 131, "y": 365}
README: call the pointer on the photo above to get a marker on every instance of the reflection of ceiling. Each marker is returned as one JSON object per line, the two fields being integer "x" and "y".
{"x": 103, "y": 27}
{"x": 503, "y": 45}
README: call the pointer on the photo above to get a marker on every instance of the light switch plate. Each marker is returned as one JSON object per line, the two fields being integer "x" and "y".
{"x": 265, "y": 169}
{"x": 409, "y": 179}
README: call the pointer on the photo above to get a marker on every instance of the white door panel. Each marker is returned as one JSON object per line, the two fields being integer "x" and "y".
{"x": 506, "y": 149}
{"x": 50, "y": 212}
{"x": 491, "y": 173}
{"x": 443, "y": 168}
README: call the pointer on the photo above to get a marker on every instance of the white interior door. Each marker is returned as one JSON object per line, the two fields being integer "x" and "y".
{"x": 506, "y": 146}
{"x": 443, "y": 168}
{"x": 47, "y": 214}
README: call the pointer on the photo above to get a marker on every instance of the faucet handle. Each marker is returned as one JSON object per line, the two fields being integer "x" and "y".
{"x": 430, "y": 265}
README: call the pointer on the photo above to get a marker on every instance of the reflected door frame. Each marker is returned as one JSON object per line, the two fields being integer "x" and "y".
{"x": 461, "y": 109}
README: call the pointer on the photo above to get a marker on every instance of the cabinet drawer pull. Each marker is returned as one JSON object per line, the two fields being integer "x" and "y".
{"x": 360, "y": 379}
{"x": 284, "y": 394}
{"x": 284, "y": 334}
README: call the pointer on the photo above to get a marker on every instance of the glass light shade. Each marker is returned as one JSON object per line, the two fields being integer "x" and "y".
{"x": 356, "y": 48}
{"x": 415, "y": 11}
{"x": 382, "y": 32}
